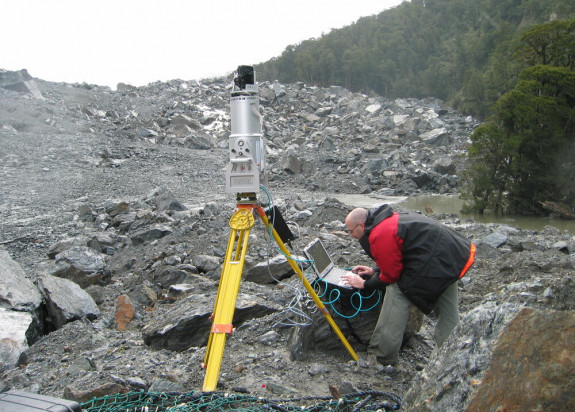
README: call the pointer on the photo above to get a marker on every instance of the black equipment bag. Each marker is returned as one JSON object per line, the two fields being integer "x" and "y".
{"x": 20, "y": 401}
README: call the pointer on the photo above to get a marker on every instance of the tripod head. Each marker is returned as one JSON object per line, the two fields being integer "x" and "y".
{"x": 246, "y": 169}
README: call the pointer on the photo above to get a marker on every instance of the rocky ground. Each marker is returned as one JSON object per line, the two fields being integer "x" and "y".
{"x": 83, "y": 162}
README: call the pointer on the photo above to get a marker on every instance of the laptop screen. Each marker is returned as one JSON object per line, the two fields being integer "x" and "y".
{"x": 317, "y": 252}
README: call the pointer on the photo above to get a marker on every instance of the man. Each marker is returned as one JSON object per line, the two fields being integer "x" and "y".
{"x": 418, "y": 262}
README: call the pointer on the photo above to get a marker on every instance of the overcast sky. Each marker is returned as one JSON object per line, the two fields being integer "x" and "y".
{"x": 142, "y": 41}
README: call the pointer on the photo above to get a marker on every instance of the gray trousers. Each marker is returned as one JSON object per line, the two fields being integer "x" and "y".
{"x": 388, "y": 332}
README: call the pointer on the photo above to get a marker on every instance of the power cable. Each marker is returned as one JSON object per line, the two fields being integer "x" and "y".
{"x": 334, "y": 293}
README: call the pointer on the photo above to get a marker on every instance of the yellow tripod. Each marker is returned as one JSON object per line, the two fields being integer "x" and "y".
{"x": 241, "y": 223}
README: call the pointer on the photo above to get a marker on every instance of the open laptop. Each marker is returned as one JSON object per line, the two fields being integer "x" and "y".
{"x": 324, "y": 266}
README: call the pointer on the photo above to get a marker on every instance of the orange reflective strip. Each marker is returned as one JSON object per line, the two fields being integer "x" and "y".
{"x": 469, "y": 261}
{"x": 222, "y": 328}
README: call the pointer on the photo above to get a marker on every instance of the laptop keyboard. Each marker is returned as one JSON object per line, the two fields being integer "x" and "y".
{"x": 334, "y": 276}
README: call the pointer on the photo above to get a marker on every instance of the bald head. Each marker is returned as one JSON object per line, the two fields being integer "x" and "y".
{"x": 355, "y": 222}
{"x": 356, "y": 216}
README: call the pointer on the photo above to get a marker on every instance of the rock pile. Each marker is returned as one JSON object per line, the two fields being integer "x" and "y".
{"x": 111, "y": 261}
{"x": 362, "y": 143}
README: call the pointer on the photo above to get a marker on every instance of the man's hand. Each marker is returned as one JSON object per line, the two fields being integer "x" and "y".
{"x": 363, "y": 270}
{"x": 353, "y": 280}
{"x": 356, "y": 280}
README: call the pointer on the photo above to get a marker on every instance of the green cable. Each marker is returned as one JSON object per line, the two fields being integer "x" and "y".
{"x": 332, "y": 299}
{"x": 337, "y": 292}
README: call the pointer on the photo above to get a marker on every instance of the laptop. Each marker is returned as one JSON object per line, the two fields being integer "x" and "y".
{"x": 324, "y": 266}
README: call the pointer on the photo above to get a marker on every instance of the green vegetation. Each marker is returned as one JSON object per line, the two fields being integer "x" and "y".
{"x": 508, "y": 62}
{"x": 459, "y": 51}
{"x": 524, "y": 154}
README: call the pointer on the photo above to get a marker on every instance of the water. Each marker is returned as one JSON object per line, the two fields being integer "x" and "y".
{"x": 452, "y": 205}
{"x": 368, "y": 201}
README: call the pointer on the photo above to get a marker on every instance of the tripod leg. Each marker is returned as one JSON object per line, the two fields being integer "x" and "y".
{"x": 241, "y": 223}
{"x": 306, "y": 284}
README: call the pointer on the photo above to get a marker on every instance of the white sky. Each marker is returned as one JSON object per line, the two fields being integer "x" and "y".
{"x": 142, "y": 41}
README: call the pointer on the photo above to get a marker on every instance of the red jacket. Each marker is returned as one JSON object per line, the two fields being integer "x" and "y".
{"x": 422, "y": 255}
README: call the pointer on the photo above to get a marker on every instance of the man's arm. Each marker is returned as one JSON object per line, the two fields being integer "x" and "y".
{"x": 386, "y": 249}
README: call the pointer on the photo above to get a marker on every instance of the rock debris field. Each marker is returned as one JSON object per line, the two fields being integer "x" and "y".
{"x": 115, "y": 223}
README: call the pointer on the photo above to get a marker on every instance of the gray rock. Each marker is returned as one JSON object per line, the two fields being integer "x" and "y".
{"x": 270, "y": 270}
{"x": 291, "y": 164}
{"x": 14, "y": 328}
{"x": 101, "y": 242}
{"x": 278, "y": 389}
{"x": 66, "y": 244}
{"x": 164, "y": 385}
{"x": 206, "y": 263}
{"x": 317, "y": 369}
{"x": 373, "y": 108}
{"x": 187, "y": 322}
{"x": 82, "y": 265}
{"x": 21, "y": 81}
{"x": 279, "y": 90}
{"x": 361, "y": 314}
{"x": 300, "y": 341}
{"x": 270, "y": 336}
{"x": 66, "y": 301}
{"x": 436, "y": 137}
{"x": 17, "y": 292}
{"x": 494, "y": 240}
{"x": 151, "y": 234}
{"x": 444, "y": 165}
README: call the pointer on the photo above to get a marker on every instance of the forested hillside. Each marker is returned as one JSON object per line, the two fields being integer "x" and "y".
{"x": 460, "y": 51}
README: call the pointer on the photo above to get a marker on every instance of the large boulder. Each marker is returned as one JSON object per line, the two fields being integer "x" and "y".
{"x": 82, "y": 265}
{"x": 187, "y": 323}
{"x": 14, "y": 326}
{"x": 66, "y": 301}
{"x": 20, "y": 81}
{"x": 270, "y": 271}
{"x": 17, "y": 292}
{"x": 20, "y": 302}
{"x": 501, "y": 358}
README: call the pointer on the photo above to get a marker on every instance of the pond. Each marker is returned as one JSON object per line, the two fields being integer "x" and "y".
{"x": 452, "y": 205}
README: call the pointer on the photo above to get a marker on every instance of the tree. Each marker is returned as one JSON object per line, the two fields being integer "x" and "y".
{"x": 550, "y": 44}
{"x": 538, "y": 116}
{"x": 524, "y": 151}
{"x": 484, "y": 180}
